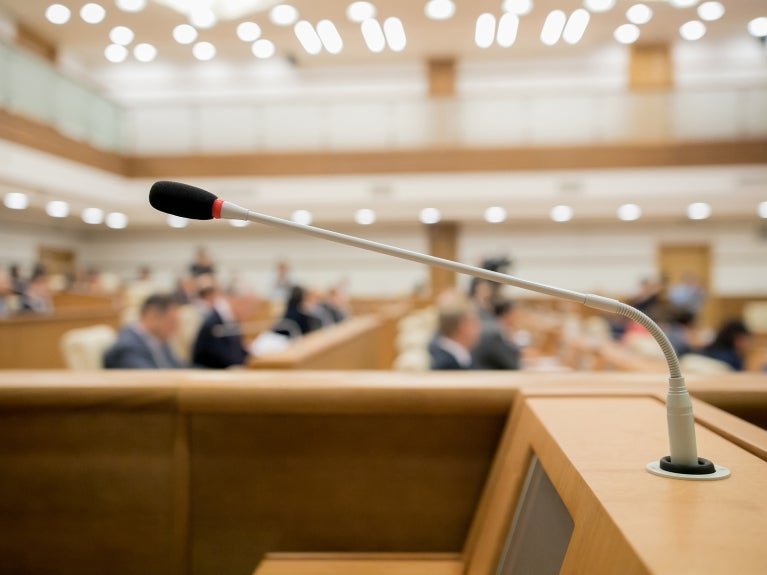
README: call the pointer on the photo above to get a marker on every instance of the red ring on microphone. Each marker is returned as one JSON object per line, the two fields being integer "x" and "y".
{"x": 217, "y": 208}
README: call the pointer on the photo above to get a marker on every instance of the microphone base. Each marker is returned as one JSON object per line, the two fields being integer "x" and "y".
{"x": 703, "y": 471}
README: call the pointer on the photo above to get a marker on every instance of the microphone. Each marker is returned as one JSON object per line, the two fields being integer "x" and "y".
{"x": 683, "y": 462}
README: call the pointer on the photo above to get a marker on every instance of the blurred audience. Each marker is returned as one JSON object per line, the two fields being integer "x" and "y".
{"x": 731, "y": 344}
{"x": 202, "y": 264}
{"x": 281, "y": 282}
{"x": 298, "y": 319}
{"x": 37, "y": 295}
{"x": 680, "y": 329}
{"x": 457, "y": 333}
{"x": 335, "y": 305}
{"x": 144, "y": 344}
{"x": 18, "y": 285}
{"x": 481, "y": 295}
{"x": 496, "y": 348}
{"x": 219, "y": 343}
{"x": 688, "y": 293}
{"x": 5, "y": 294}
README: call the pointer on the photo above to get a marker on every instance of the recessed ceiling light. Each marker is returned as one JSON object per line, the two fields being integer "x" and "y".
{"x": 698, "y": 211}
{"x": 495, "y": 215}
{"x": 360, "y": 11}
{"x": 430, "y": 216}
{"x": 144, "y": 52}
{"x": 395, "y": 34}
{"x": 710, "y": 11}
{"x": 365, "y": 217}
{"x": 131, "y": 5}
{"x": 58, "y": 14}
{"x": 204, "y": 51}
{"x": 692, "y": 30}
{"x": 626, "y": 34}
{"x": 121, "y": 35}
{"x": 518, "y": 7}
{"x": 576, "y": 26}
{"x": 116, "y": 53}
{"x": 758, "y": 27}
{"x": 508, "y": 26}
{"x": 57, "y": 209}
{"x": 373, "y": 35}
{"x": 639, "y": 14}
{"x": 439, "y": 9}
{"x": 184, "y": 34}
{"x": 93, "y": 216}
{"x": 303, "y": 217}
{"x": 263, "y": 49}
{"x": 761, "y": 210}
{"x": 92, "y": 13}
{"x": 330, "y": 37}
{"x": 117, "y": 220}
{"x": 16, "y": 201}
{"x": 176, "y": 221}
{"x": 283, "y": 15}
{"x": 484, "y": 31}
{"x": 598, "y": 5}
{"x": 683, "y": 3}
{"x": 203, "y": 18}
{"x": 308, "y": 37}
{"x": 629, "y": 212}
{"x": 239, "y": 223}
{"x": 248, "y": 31}
{"x": 552, "y": 27}
{"x": 561, "y": 213}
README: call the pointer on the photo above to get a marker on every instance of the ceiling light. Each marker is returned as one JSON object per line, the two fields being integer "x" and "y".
{"x": 518, "y": 7}
{"x": 144, "y": 52}
{"x": 239, "y": 223}
{"x": 430, "y": 216}
{"x": 93, "y": 216}
{"x": 131, "y": 5}
{"x": 248, "y": 31}
{"x": 57, "y": 14}
{"x": 117, "y": 221}
{"x": 758, "y": 27}
{"x": 639, "y": 14}
{"x": 330, "y": 37}
{"x": 121, "y": 35}
{"x": 360, "y": 11}
{"x": 115, "y": 53}
{"x": 683, "y": 3}
{"x": 629, "y": 212}
{"x": 395, "y": 34}
{"x": 176, "y": 221}
{"x": 692, "y": 30}
{"x": 710, "y": 11}
{"x": 439, "y": 9}
{"x": 204, "y": 51}
{"x": 552, "y": 27}
{"x": 92, "y": 13}
{"x": 698, "y": 211}
{"x": 303, "y": 217}
{"x": 283, "y": 15}
{"x": 484, "y": 32}
{"x": 561, "y": 213}
{"x": 365, "y": 217}
{"x": 598, "y": 5}
{"x": 508, "y": 26}
{"x": 203, "y": 18}
{"x": 16, "y": 201}
{"x": 308, "y": 37}
{"x": 184, "y": 34}
{"x": 576, "y": 26}
{"x": 761, "y": 210}
{"x": 626, "y": 34}
{"x": 57, "y": 209}
{"x": 263, "y": 49}
{"x": 373, "y": 35}
{"x": 495, "y": 215}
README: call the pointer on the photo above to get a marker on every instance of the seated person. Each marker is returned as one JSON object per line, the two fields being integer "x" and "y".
{"x": 37, "y": 296}
{"x": 334, "y": 306}
{"x": 730, "y": 344}
{"x": 143, "y": 344}
{"x": 457, "y": 333}
{"x": 495, "y": 349}
{"x": 297, "y": 319}
{"x": 219, "y": 341}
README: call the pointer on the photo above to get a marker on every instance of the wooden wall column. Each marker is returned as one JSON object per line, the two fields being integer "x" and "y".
{"x": 441, "y": 91}
{"x": 443, "y": 243}
{"x": 651, "y": 71}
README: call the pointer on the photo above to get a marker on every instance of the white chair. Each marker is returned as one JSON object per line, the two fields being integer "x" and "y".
{"x": 413, "y": 360}
{"x": 755, "y": 316}
{"x": 696, "y": 363}
{"x": 83, "y": 348}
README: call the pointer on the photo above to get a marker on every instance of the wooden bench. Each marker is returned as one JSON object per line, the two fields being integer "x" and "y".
{"x": 360, "y": 564}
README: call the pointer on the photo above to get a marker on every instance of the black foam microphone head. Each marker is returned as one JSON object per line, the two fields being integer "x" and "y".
{"x": 182, "y": 200}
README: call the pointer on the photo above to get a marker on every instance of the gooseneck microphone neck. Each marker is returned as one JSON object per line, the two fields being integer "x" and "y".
{"x": 194, "y": 203}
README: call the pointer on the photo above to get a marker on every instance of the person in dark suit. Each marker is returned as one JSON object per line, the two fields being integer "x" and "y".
{"x": 457, "y": 332}
{"x": 144, "y": 343}
{"x": 219, "y": 341}
{"x": 731, "y": 344}
{"x": 297, "y": 319}
{"x": 495, "y": 349}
